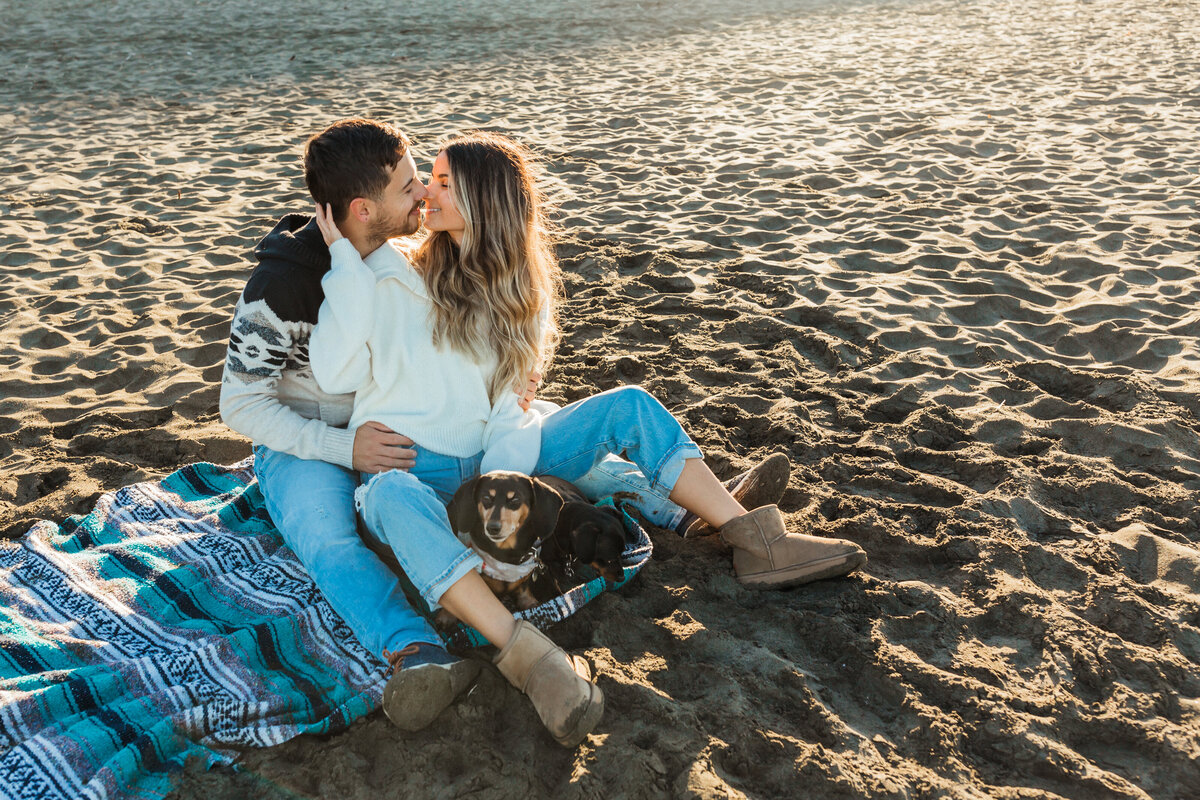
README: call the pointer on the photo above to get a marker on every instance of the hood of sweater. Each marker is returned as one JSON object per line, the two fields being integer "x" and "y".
{"x": 297, "y": 240}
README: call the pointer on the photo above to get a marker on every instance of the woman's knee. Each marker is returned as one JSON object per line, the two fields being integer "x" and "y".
{"x": 393, "y": 489}
{"x": 395, "y": 481}
{"x": 636, "y": 402}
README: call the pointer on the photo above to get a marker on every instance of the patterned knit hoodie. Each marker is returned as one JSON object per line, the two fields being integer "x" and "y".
{"x": 268, "y": 392}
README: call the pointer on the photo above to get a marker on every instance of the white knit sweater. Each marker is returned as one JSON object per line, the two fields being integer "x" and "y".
{"x": 374, "y": 337}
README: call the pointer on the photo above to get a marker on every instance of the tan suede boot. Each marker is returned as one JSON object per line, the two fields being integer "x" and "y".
{"x": 559, "y": 685}
{"x": 766, "y": 556}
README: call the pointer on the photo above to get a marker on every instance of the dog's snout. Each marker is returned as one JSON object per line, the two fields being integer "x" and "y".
{"x": 493, "y": 527}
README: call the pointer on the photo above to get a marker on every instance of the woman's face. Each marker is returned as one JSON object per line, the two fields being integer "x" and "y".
{"x": 440, "y": 212}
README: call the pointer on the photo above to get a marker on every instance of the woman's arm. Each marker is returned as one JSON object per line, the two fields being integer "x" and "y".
{"x": 337, "y": 349}
{"x": 512, "y": 438}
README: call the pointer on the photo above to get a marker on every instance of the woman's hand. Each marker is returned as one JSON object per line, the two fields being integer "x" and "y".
{"x": 535, "y": 378}
{"x": 329, "y": 228}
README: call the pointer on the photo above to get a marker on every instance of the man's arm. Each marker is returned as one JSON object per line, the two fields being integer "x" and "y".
{"x": 258, "y": 346}
{"x": 259, "y": 343}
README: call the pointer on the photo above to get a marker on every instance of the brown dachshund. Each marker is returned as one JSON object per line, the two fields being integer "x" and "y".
{"x": 505, "y": 517}
{"x": 533, "y": 534}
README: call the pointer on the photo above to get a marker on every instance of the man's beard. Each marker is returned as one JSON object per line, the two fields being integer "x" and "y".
{"x": 381, "y": 230}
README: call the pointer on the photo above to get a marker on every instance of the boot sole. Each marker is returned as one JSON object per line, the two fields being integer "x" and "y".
{"x": 832, "y": 567}
{"x": 414, "y": 698}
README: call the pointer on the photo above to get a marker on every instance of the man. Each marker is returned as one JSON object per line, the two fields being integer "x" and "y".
{"x": 306, "y": 460}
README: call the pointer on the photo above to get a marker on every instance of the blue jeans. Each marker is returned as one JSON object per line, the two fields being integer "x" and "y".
{"x": 312, "y": 505}
{"x": 407, "y": 510}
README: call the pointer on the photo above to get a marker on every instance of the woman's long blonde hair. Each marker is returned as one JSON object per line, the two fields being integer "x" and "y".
{"x": 489, "y": 293}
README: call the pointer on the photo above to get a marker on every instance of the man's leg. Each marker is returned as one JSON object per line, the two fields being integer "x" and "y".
{"x": 312, "y": 504}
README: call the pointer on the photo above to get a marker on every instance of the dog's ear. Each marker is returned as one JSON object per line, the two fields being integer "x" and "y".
{"x": 610, "y": 539}
{"x": 545, "y": 507}
{"x": 463, "y": 509}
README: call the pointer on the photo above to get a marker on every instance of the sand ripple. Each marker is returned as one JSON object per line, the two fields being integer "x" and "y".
{"x": 943, "y": 254}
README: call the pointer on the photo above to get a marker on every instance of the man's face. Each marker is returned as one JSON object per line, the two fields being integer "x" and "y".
{"x": 398, "y": 207}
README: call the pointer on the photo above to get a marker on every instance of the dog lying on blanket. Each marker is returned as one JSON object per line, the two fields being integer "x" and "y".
{"x": 585, "y": 534}
{"x": 533, "y": 535}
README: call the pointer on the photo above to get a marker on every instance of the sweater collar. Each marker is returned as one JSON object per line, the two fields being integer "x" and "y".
{"x": 387, "y": 261}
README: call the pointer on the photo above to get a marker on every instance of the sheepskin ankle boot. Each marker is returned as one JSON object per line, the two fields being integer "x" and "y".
{"x": 766, "y": 556}
{"x": 559, "y": 685}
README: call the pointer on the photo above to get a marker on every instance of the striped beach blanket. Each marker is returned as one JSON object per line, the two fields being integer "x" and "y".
{"x": 171, "y": 623}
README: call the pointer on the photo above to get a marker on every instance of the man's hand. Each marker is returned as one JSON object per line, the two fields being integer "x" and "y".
{"x": 531, "y": 388}
{"x": 378, "y": 448}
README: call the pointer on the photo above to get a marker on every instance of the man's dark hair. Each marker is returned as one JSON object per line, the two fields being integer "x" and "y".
{"x": 351, "y": 158}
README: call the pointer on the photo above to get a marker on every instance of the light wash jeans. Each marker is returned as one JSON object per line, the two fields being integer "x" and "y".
{"x": 407, "y": 510}
{"x": 312, "y": 504}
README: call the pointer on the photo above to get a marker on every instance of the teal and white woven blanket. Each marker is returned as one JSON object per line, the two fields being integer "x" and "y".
{"x": 172, "y": 622}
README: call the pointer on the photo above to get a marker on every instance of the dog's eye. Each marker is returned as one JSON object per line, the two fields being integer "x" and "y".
{"x": 514, "y": 503}
{"x": 486, "y": 502}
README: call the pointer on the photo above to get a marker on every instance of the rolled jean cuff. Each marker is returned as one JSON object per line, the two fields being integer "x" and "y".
{"x": 467, "y": 562}
{"x": 666, "y": 473}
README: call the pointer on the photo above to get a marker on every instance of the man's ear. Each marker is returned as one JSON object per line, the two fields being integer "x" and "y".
{"x": 360, "y": 209}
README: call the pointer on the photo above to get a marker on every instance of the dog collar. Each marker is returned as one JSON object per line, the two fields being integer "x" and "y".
{"x": 502, "y": 570}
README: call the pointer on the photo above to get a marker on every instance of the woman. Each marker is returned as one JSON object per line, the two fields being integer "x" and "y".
{"x": 437, "y": 350}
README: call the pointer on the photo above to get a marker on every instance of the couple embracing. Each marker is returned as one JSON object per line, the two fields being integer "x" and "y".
{"x": 376, "y": 374}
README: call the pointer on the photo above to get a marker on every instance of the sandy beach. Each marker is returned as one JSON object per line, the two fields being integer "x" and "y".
{"x": 941, "y": 253}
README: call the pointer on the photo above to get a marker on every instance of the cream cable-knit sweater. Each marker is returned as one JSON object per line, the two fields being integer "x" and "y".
{"x": 374, "y": 337}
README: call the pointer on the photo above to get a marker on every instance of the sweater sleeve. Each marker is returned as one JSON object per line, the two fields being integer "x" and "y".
{"x": 512, "y": 438}
{"x": 258, "y": 346}
{"x": 341, "y": 361}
